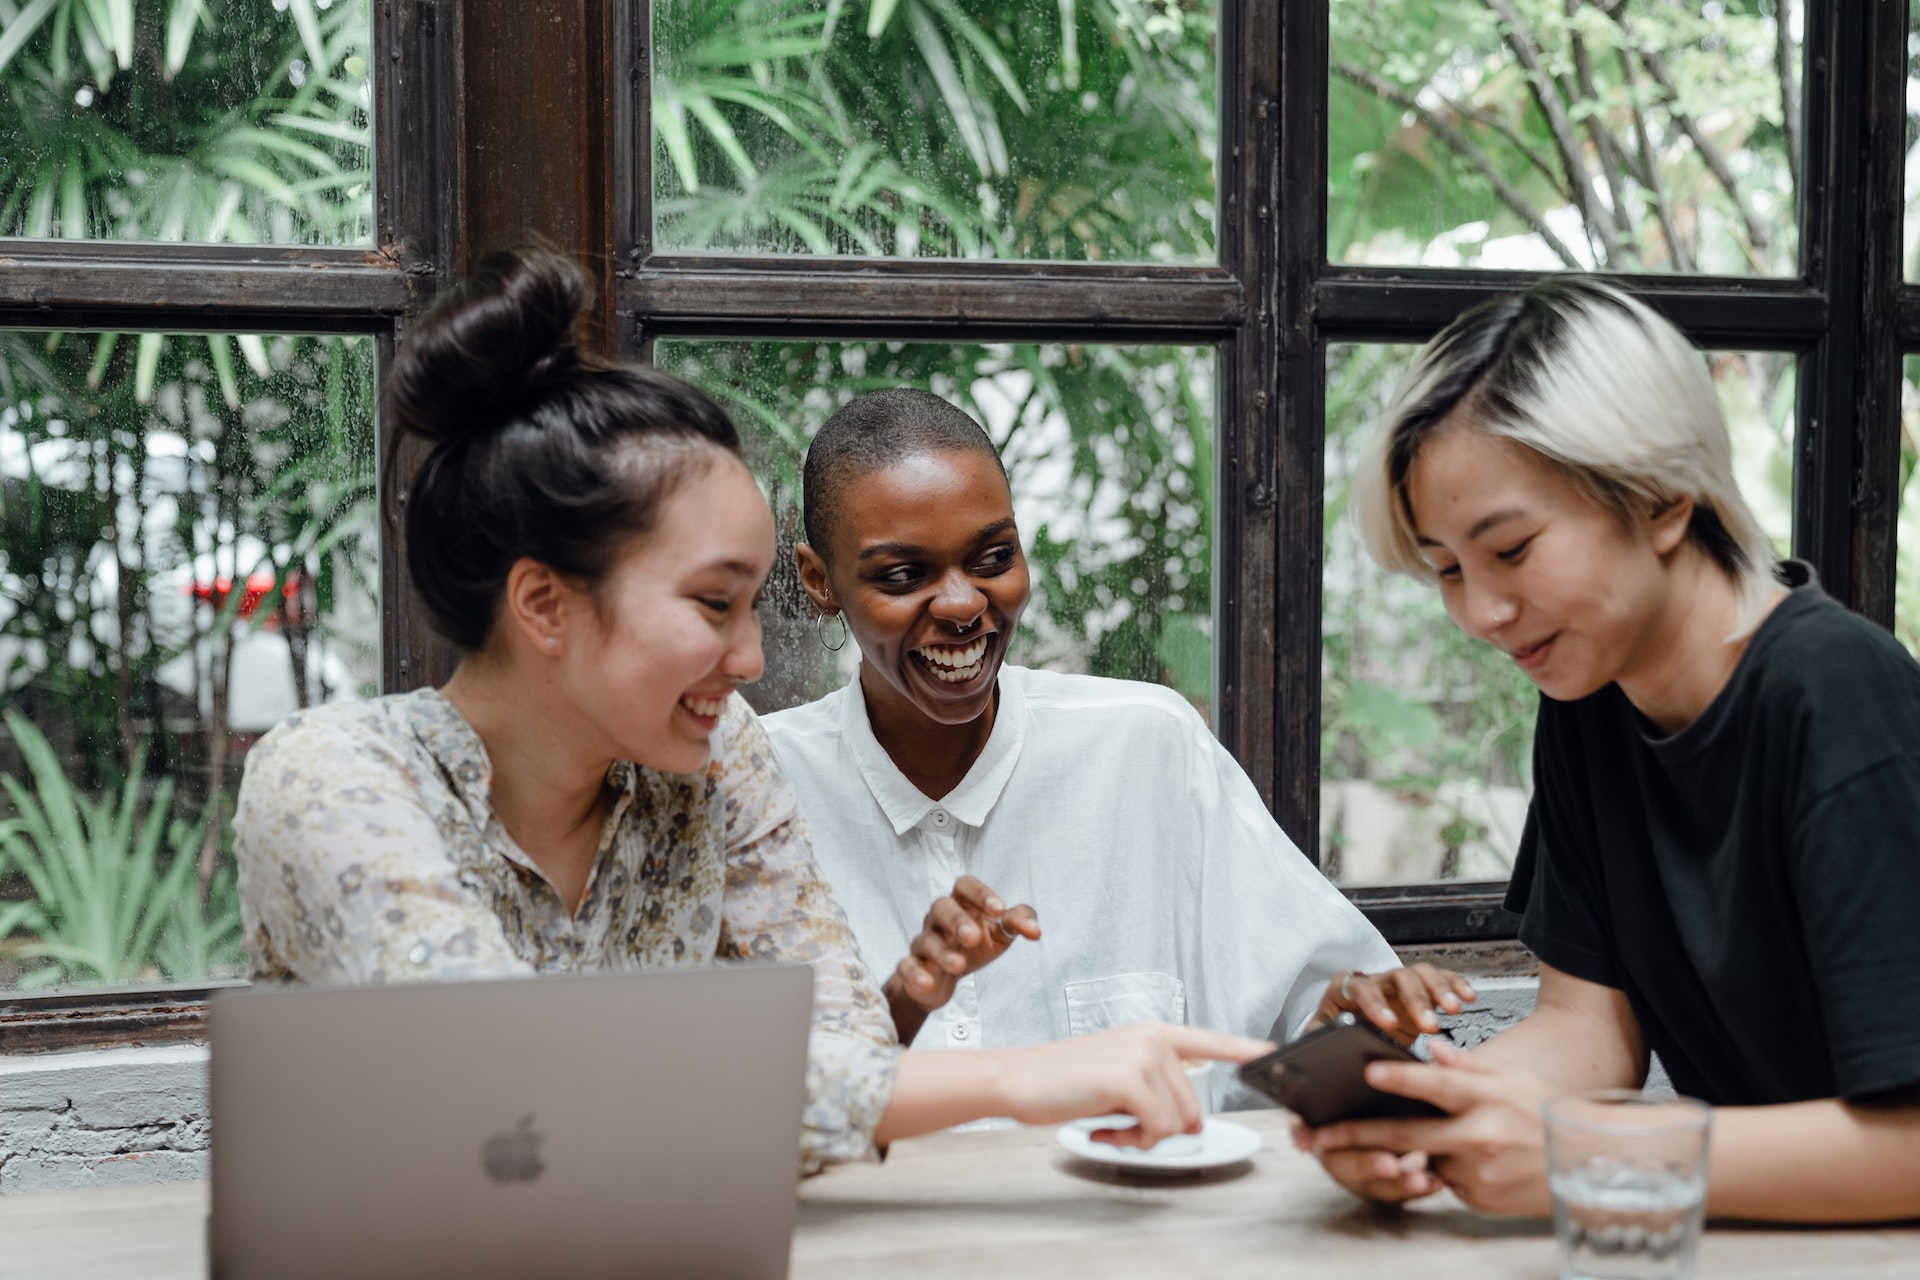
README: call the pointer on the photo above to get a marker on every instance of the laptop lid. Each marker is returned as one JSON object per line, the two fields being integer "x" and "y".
{"x": 594, "y": 1126}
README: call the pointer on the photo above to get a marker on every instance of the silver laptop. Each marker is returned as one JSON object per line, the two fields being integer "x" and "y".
{"x": 593, "y": 1126}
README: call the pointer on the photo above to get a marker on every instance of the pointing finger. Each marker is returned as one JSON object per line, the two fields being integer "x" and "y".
{"x": 1197, "y": 1042}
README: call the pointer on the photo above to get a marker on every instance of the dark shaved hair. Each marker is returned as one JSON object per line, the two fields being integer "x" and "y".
{"x": 873, "y": 433}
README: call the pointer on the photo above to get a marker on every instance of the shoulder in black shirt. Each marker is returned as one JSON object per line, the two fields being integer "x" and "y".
{"x": 1752, "y": 883}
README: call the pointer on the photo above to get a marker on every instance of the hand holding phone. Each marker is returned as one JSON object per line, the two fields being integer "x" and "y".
{"x": 1321, "y": 1077}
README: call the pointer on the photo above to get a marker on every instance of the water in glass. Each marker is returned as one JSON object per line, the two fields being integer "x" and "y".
{"x": 1619, "y": 1221}
{"x": 1628, "y": 1174}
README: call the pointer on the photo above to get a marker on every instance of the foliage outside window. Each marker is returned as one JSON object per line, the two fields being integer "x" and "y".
{"x": 243, "y": 121}
{"x": 1643, "y": 135}
{"x": 1911, "y": 229}
{"x": 1110, "y": 454}
{"x": 187, "y": 554}
{"x": 187, "y": 540}
{"x": 936, "y": 128}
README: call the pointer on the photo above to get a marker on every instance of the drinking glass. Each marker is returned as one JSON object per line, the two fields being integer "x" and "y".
{"x": 1629, "y": 1179}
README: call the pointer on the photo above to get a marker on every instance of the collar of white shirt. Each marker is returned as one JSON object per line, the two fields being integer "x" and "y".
{"x": 970, "y": 802}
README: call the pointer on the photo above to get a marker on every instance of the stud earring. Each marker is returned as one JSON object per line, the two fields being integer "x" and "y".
{"x": 552, "y": 643}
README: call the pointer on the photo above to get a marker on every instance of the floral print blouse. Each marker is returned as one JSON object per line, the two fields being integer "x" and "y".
{"x": 369, "y": 853}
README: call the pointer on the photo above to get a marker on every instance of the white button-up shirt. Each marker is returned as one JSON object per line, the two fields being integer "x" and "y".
{"x": 1164, "y": 887}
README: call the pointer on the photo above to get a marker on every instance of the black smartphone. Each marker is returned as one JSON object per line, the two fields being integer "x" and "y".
{"x": 1321, "y": 1077}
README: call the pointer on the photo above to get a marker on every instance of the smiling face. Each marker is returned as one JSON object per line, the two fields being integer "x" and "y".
{"x": 674, "y": 630}
{"x": 927, "y": 567}
{"x": 1531, "y": 564}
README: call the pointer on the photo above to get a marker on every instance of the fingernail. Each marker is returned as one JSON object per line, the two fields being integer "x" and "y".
{"x": 994, "y": 904}
{"x": 1387, "y": 1019}
{"x": 969, "y": 934}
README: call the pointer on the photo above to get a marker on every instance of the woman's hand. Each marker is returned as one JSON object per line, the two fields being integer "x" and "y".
{"x": 1137, "y": 1070}
{"x": 1401, "y": 1002}
{"x": 1385, "y": 1177}
{"x": 964, "y": 931}
{"x": 1490, "y": 1148}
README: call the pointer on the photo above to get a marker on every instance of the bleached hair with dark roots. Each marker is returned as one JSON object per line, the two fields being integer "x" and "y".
{"x": 1597, "y": 386}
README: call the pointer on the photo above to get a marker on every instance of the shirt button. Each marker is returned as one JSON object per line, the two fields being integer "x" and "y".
{"x": 959, "y": 1031}
{"x": 941, "y": 817}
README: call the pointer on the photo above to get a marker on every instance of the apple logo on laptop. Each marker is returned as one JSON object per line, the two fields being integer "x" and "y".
{"x": 514, "y": 1156}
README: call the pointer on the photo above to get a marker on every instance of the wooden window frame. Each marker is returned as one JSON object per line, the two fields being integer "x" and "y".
{"x": 570, "y": 155}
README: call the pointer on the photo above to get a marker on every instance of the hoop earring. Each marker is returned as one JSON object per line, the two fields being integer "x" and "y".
{"x": 820, "y": 629}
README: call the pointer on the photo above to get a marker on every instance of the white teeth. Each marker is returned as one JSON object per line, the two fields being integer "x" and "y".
{"x": 704, "y": 706}
{"x": 954, "y": 664}
{"x": 953, "y": 657}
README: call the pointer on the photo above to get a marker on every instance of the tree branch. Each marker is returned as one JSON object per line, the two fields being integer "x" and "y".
{"x": 1650, "y": 170}
{"x": 1444, "y": 130}
{"x": 1716, "y": 160}
{"x": 1789, "y": 88}
{"x": 1758, "y": 237}
{"x": 1605, "y": 144}
{"x": 1491, "y": 120}
{"x": 1547, "y": 94}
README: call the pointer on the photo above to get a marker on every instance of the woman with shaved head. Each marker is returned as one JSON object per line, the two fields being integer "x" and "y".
{"x": 1104, "y": 808}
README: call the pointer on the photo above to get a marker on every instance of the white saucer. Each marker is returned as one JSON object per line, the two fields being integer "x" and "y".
{"x": 1222, "y": 1142}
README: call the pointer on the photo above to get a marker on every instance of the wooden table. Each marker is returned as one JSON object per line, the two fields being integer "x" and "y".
{"x": 1011, "y": 1203}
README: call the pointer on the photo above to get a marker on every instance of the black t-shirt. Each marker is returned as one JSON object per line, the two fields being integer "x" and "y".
{"x": 1752, "y": 882}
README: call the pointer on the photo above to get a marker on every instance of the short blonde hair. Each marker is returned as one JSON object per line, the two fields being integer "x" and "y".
{"x": 1597, "y": 386}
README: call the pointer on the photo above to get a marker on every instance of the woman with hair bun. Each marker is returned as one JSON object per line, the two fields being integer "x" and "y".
{"x": 588, "y": 791}
{"x": 1721, "y": 864}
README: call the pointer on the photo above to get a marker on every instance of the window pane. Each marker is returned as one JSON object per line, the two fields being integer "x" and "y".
{"x": 241, "y": 121}
{"x": 1110, "y": 453}
{"x": 188, "y": 553}
{"x": 1645, "y": 136}
{"x": 935, "y": 128}
{"x": 1913, "y": 141}
{"x": 1906, "y": 587}
{"x": 1426, "y": 734}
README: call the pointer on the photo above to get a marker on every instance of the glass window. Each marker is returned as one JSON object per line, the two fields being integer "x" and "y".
{"x": 1426, "y": 733}
{"x": 1906, "y": 585}
{"x": 236, "y": 121}
{"x": 188, "y": 554}
{"x": 1642, "y": 136}
{"x": 1110, "y": 454}
{"x": 935, "y": 128}
{"x": 1912, "y": 228}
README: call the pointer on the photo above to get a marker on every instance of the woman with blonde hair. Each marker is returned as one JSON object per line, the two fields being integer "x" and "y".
{"x": 1721, "y": 864}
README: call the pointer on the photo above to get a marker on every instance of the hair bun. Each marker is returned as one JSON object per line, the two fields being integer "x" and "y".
{"x": 488, "y": 345}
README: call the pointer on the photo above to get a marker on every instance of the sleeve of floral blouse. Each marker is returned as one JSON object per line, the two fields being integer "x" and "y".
{"x": 777, "y": 908}
{"x": 343, "y": 875}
